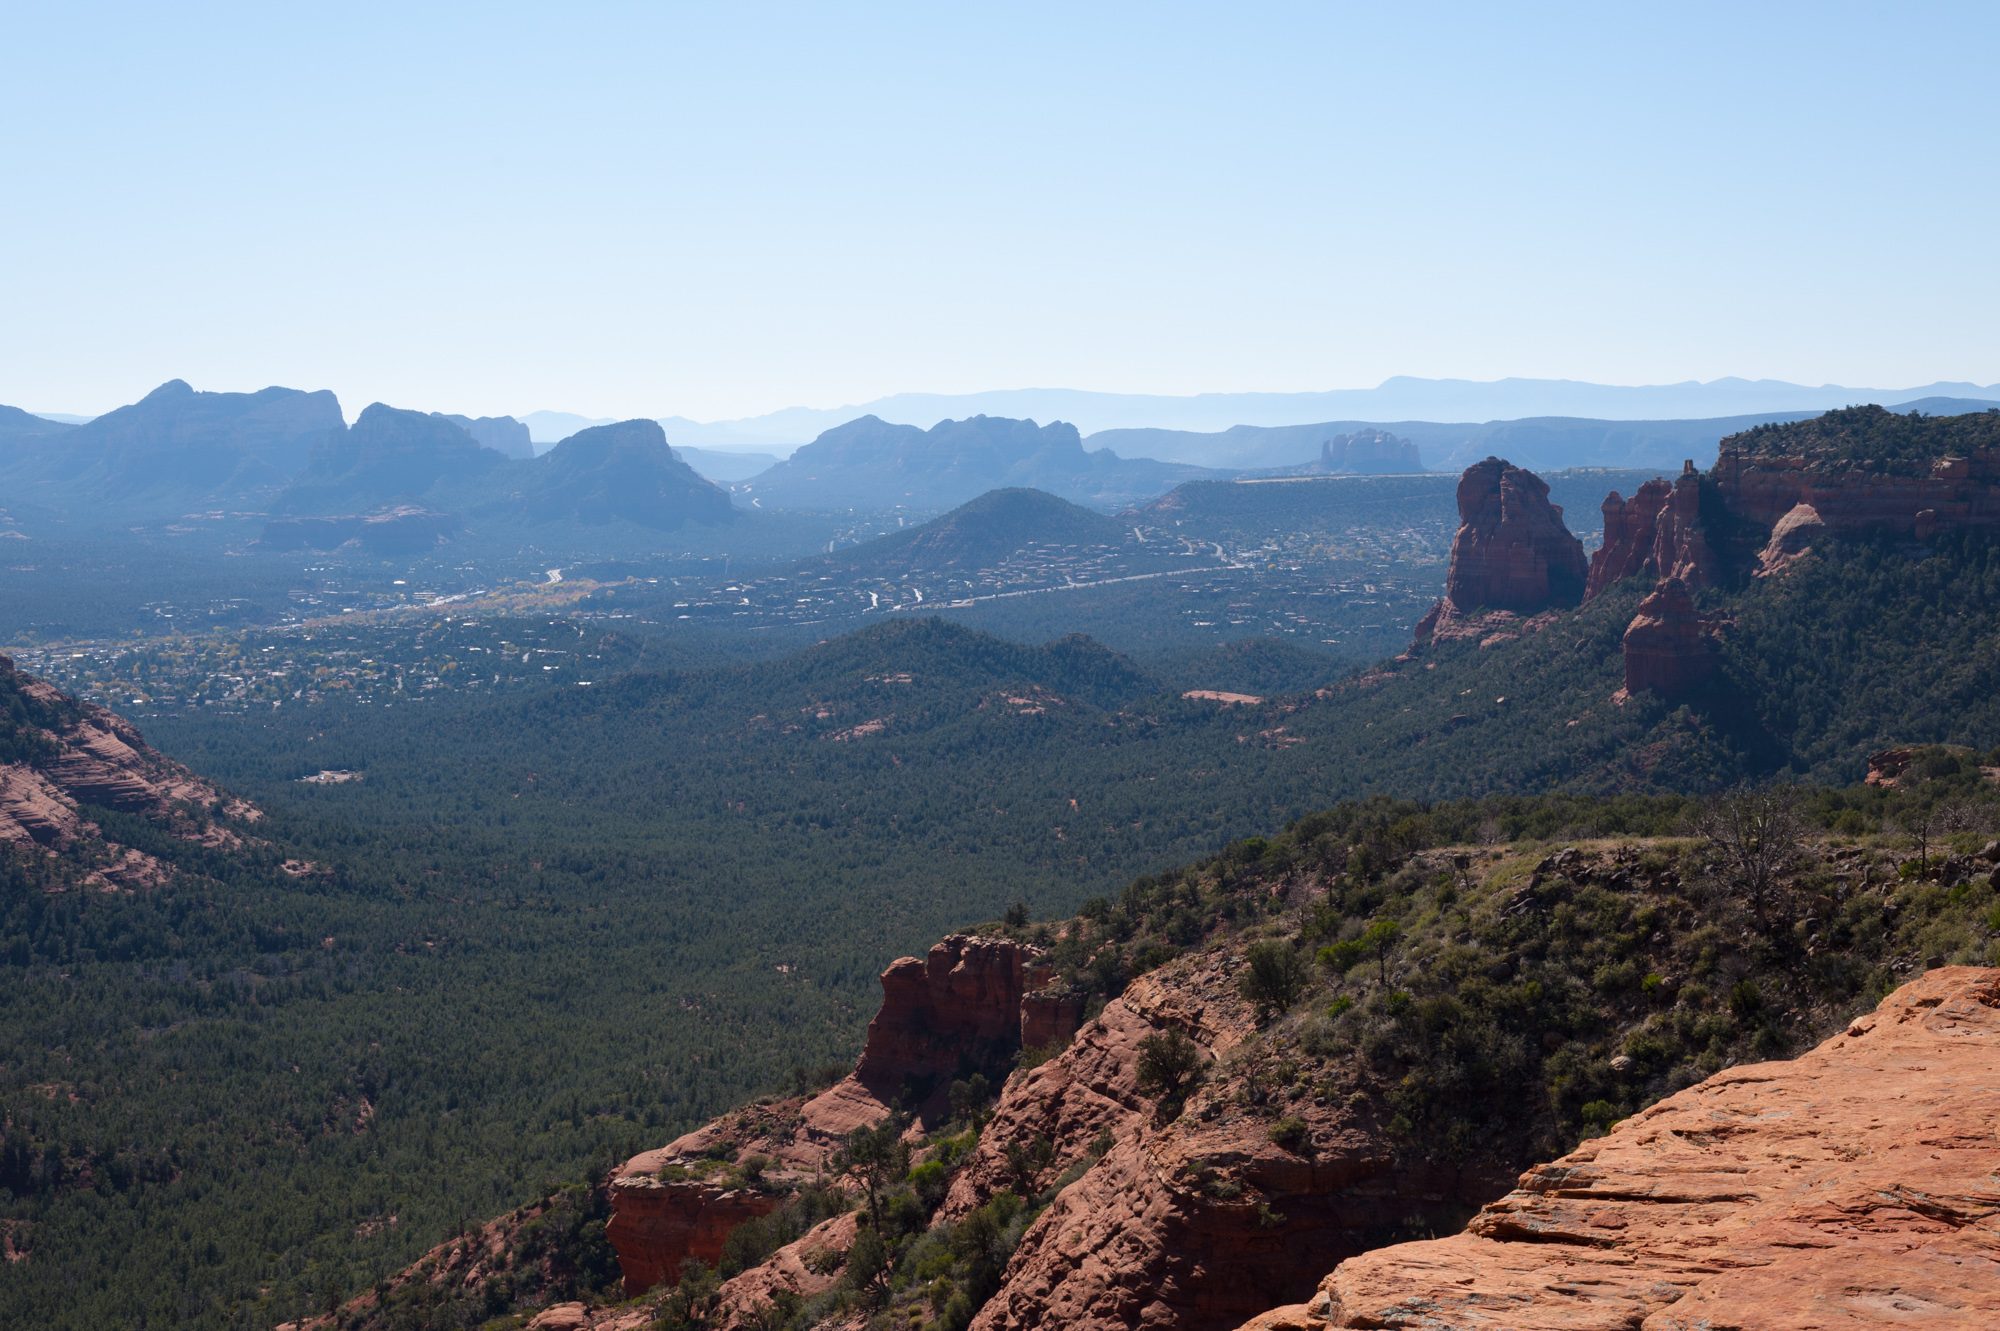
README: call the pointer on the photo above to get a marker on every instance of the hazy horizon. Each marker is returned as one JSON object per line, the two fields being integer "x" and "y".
{"x": 719, "y": 213}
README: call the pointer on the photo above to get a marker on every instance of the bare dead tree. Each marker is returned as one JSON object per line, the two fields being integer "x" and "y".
{"x": 1930, "y": 822}
{"x": 1756, "y": 836}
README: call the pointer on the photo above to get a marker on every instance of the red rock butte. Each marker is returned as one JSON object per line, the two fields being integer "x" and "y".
{"x": 1511, "y": 552}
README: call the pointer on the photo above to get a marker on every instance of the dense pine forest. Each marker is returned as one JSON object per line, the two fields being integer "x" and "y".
{"x": 543, "y": 931}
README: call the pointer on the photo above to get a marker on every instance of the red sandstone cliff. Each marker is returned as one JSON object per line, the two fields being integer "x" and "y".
{"x": 1193, "y": 1223}
{"x": 956, "y": 1011}
{"x": 1760, "y": 487}
{"x": 1658, "y": 533}
{"x": 74, "y": 754}
{"x": 1512, "y": 552}
{"x": 1851, "y": 1187}
{"x": 1669, "y": 648}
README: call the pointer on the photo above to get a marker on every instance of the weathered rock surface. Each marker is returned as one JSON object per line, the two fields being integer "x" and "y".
{"x": 1373, "y": 450}
{"x": 657, "y": 1225}
{"x": 806, "y": 1266}
{"x": 1669, "y": 648}
{"x": 1657, "y": 533}
{"x": 72, "y": 754}
{"x": 1851, "y": 1187}
{"x": 1760, "y": 488}
{"x": 1191, "y": 1224}
{"x": 1512, "y": 551}
{"x": 956, "y": 1011}
{"x": 1791, "y": 540}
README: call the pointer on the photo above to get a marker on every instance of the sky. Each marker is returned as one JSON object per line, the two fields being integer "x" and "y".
{"x": 717, "y": 210}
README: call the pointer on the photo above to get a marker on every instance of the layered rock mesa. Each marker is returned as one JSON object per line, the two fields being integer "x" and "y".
{"x": 961, "y": 1009}
{"x": 1511, "y": 554}
{"x": 1773, "y": 490}
{"x": 1371, "y": 450}
{"x": 1853, "y": 1186}
{"x": 59, "y": 755}
{"x": 1773, "y": 493}
{"x": 1867, "y": 470}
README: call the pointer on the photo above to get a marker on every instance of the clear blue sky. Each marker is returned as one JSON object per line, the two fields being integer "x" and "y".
{"x": 715, "y": 210}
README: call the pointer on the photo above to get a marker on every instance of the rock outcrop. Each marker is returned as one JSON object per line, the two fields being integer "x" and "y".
{"x": 1791, "y": 540}
{"x": 658, "y": 1225}
{"x": 954, "y": 1012}
{"x": 959, "y": 1010}
{"x": 389, "y": 457}
{"x": 1773, "y": 494}
{"x": 1657, "y": 533}
{"x": 66, "y": 755}
{"x": 1512, "y": 552}
{"x": 625, "y": 472}
{"x": 1669, "y": 647}
{"x": 1193, "y": 1223}
{"x": 1368, "y": 451}
{"x": 1850, "y": 1187}
{"x": 1759, "y": 482}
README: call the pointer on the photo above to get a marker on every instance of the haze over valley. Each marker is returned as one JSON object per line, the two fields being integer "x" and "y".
{"x": 577, "y": 754}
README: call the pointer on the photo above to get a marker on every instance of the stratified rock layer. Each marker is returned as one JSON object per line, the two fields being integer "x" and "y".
{"x": 76, "y": 754}
{"x": 1512, "y": 551}
{"x": 1852, "y": 1187}
{"x": 1956, "y": 492}
{"x": 657, "y": 1225}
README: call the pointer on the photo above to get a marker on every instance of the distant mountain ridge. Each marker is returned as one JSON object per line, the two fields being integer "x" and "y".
{"x": 503, "y": 434}
{"x": 877, "y": 464}
{"x": 389, "y": 456}
{"x": 1401, "y": 398}
{"x": 176, "y": 446}
{"x": 609, "y": 473}
{"x": 395, "y": 480}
